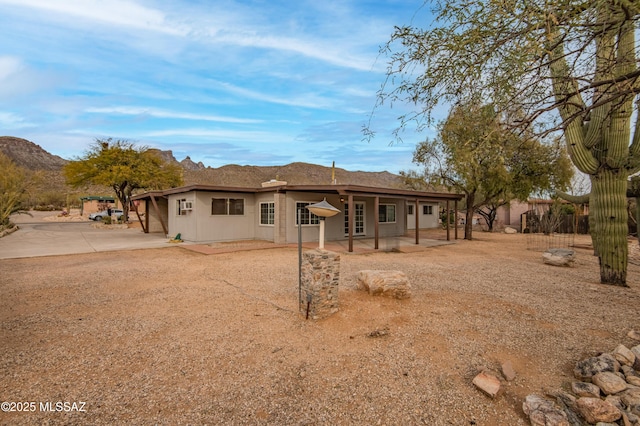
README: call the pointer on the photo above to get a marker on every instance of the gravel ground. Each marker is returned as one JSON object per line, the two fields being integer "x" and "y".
{"x": 169, "y": 336}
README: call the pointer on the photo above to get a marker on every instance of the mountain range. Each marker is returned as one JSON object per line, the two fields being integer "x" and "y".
{"x": 31, "y": 156}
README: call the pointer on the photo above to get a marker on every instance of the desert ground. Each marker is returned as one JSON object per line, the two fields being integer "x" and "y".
{"x": 172, "y": 336}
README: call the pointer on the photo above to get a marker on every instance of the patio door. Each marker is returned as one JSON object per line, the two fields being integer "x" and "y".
{"x": 358, "y": 219}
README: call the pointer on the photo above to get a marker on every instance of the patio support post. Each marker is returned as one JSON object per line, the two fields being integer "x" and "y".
{"x": 417, "y": 222}
{"x": 376, "y": 220}
{"x": 350, "y": 219}
{"x": 455, "y": 208}
{"x": 448, "y": 223}
{"x": 145, "y": 229}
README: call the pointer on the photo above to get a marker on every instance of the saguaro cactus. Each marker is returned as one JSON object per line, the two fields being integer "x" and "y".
{"x": 600, "y": 143}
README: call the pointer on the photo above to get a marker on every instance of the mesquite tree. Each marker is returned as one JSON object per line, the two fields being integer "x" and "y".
{"x": 14, "y": 184}
{"x": 475, "y": 155}
{"x": 569, "y": 66}
{"x": 125, "y": 168}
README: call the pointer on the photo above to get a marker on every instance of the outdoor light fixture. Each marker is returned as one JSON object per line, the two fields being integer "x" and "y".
{"x": 323, "y": 210}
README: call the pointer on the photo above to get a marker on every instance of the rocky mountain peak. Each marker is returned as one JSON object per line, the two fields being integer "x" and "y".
{"x": 189, "y": 164}
{"x": 28, "y": 155}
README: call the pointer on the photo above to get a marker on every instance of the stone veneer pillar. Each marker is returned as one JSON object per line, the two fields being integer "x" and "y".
{"x": 320, "y": 279}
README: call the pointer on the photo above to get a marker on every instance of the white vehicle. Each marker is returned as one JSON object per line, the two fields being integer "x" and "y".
{"x": 105, "y": 213}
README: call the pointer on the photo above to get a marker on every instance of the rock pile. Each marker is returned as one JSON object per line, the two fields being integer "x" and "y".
{"x": 606, "y": 392}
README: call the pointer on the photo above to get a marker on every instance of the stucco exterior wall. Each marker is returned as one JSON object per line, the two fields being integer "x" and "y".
{"x": 511, "y": 215}
{"x": 309, "y": 232}
{"x": 199, "y": 225}
{"x": 392, "y": 229}
{"x": 335, "y": 226}
{"x": 425, "y": 221}
{"x": 94, "y": 206}
{"x": 185, "y": 225}
{"x": 264, "y": 232}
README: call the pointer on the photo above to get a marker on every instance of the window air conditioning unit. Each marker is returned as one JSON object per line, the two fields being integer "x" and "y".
{"x": 187, "y": 205}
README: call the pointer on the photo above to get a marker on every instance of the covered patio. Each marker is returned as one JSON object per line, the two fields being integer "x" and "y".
{"x": 348, "y": 193}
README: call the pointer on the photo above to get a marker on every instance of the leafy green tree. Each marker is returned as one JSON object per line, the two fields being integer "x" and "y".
{"x": 475, "y": 155}
{"x": 124, "y": 167}
{"x": 14, "y": 183}
{"x": 569, "y": 66}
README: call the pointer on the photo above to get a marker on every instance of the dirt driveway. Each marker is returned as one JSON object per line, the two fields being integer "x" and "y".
{"x": 171, "y": 336}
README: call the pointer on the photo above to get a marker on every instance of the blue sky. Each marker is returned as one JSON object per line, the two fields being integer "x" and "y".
{"x": 262, "y": 82}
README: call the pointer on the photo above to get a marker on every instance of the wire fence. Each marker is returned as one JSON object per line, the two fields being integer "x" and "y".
{"x": 544, "y": 242}
{"x": 548, "y": 230}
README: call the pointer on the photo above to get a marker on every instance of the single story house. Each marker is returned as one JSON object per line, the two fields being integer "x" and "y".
{"x": 512, "y": 214}
{"x": 97, "y": 203}
{"x": 207, "y": 213}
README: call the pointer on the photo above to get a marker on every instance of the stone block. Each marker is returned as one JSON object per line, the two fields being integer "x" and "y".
{"x": 386, "y": 283}
{"x": 487, "y": 383}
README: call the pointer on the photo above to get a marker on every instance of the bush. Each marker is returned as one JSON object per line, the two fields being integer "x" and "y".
{"x": 48, "y": 208}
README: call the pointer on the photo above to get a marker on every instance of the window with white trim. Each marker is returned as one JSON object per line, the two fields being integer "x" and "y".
{"x": 387, "y": 213}
{"x": 267, "y": 213}
{"x": 227, "y": 206}
{"x": 306, "y": 217}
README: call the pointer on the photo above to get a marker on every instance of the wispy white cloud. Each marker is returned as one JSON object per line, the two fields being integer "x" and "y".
{"x": 160, "y": 113}
{"x": 276, "y": 80}
{"x": 9, "y": 120}
{"x": 228, "y": 29}
{"x": 316, "y": 49}
{"x": 307, "y": 100}
{"x": 18, "y": 79}
{"x": 113, "y": 12}
{"x": 9, "y": 65}
{"x": 258, "y": 137}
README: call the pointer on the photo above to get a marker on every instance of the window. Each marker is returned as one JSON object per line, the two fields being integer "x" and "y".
{"x": 219, "y": 206}
{"x": 236, "y": 206}
{"x": 227, "y": 206}
{"x": 410, "y": 209}
{"x": 306, "y": 217}
{"x": 267, "y": 213}
{"x": 180, "y": 207}
{"x": 427, "y": 209}
{"x": 387, "y": 213}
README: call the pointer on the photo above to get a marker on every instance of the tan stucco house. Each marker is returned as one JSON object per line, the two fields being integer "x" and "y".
{"x": 206, "y": 213}
{"x": 96, "y": 203}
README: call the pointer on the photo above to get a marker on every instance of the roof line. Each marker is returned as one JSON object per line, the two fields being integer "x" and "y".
{"x": 338, "y": 189}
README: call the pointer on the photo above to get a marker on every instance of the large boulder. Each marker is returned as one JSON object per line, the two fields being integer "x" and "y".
{"x": 386, "y": 283}
{"x": 559, "y": 257}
